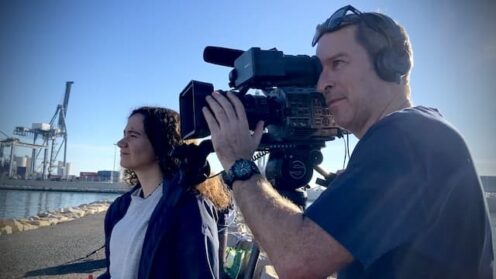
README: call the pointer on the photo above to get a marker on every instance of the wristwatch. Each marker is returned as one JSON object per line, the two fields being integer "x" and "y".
{"x": 242, "y": 169}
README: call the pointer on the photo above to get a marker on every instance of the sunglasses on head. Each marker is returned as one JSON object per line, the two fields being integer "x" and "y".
{"x": 338, "y": 19}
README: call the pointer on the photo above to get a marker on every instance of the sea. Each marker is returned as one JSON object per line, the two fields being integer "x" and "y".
{"x": 22, "y": 203}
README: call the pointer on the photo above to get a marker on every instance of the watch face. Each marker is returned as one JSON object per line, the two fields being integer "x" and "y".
{"x": 242, "y": 169}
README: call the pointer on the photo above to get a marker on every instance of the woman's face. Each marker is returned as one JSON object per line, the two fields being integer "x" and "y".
{"x": 136, "y": 149}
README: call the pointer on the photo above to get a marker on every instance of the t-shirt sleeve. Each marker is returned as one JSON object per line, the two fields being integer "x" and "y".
{"x": 376, "y": 204}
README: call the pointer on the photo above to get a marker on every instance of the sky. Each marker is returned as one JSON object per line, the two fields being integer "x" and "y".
{"x": 125, "y": 54}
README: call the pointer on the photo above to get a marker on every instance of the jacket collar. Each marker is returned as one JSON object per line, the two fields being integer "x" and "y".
{"x": 172, "y": 190}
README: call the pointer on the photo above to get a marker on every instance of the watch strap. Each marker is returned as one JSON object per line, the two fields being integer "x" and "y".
{"x": 242, "y": 169}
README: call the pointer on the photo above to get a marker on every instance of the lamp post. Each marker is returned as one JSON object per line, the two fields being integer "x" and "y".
{"x": 113, "y": 167}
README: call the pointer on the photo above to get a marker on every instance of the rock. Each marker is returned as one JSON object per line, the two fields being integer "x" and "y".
{"x": 43, "y": 214}
{"x": 44, "y": 219}
{"x": 64, "y": 219}
{"x": 17, "y": 226}
{"x": 5, "y": 230}
{"x": 6, "y": 222}
{"x": 91, "y": 211}
{"x": 26, "y": 225}
{"x": 76, "y": 213}
{"x": 41, "y": 223}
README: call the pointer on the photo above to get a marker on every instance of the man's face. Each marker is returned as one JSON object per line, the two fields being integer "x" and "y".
{"x": 352, "y": 89}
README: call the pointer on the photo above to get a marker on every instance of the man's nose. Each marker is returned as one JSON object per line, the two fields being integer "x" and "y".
{"x": 321, "y": 87}
{"x": 321, "y": 83}
{"x": 324, "y": 83}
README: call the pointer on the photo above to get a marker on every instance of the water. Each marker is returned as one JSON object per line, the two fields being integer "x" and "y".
{"x": 22, "y": 204}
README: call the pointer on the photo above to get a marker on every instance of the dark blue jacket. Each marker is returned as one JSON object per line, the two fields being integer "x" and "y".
{"x": 181, "y": 239}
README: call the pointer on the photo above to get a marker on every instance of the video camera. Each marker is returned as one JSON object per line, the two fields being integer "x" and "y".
{"x": 297, "y": 119}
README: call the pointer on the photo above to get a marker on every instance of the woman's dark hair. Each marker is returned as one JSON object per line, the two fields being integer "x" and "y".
{"x": 162, "y": 129}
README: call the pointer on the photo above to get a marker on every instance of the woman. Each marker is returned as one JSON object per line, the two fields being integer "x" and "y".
{"x": 161, "y": 228}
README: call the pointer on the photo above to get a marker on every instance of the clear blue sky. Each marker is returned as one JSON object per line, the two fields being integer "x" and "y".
{"x": 124, "y": 54}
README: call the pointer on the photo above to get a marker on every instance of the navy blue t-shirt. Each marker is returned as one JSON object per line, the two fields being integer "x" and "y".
{"x": 410, "y": 203}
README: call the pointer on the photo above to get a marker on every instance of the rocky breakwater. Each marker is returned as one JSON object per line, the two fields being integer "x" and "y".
{"x": 8, "y": 226}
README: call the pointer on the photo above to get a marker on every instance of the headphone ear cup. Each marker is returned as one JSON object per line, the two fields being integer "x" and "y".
{"x": 402, "y": 63}
{"x": 391, "y": 64}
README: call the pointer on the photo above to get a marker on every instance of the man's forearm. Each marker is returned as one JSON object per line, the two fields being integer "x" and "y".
{"x": 274, "y": 220}
{"x": 296, "y": 246}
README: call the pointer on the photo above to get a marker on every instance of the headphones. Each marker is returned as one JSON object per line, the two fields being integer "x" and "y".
{"x": 392, "y": 62}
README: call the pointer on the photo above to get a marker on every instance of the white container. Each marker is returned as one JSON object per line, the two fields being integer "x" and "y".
{"x": 41, "y": 126}
{"x": 21, "y": 161}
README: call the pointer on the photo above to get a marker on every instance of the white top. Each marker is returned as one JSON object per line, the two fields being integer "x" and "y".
{"x": 126, "y": 240}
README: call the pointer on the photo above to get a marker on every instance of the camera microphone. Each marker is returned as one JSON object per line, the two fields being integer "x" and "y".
{"x": 221, "y": 55}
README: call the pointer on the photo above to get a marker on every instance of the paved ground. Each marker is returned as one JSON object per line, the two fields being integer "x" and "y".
{"x": 55, "y": 252}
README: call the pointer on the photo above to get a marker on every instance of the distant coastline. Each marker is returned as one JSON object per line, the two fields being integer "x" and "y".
{"x": 67, "y": 186}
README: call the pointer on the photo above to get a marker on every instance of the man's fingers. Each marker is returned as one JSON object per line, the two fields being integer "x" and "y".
{"x": 213, "y": 126}
{"x": 217, "y": 111}
{"x": 257, "y": 134}
{"x": 225, "y": 104}
{"x": 239, "y": 108}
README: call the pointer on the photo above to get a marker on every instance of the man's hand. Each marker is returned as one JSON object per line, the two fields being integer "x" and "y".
{"x": 231, "y": 136}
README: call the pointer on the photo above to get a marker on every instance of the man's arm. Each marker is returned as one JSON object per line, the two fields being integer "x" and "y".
{"x": 296, "y": 245}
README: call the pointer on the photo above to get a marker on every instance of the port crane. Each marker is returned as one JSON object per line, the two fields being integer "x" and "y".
{"x": 53, "y": 137}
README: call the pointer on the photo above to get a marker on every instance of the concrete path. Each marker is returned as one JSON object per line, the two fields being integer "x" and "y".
{"x": 55, "y": 252}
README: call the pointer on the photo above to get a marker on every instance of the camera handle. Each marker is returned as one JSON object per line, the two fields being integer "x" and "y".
{"x": 328, "y": 177}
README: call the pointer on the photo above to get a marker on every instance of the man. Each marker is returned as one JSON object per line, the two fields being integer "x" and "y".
{"x": 409, "y": 204}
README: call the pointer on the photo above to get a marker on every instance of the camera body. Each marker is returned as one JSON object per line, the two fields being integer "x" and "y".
{"x": 297, "y": 119}
{"x": 293, "y": 111}
{"x": 292, "y": 114}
